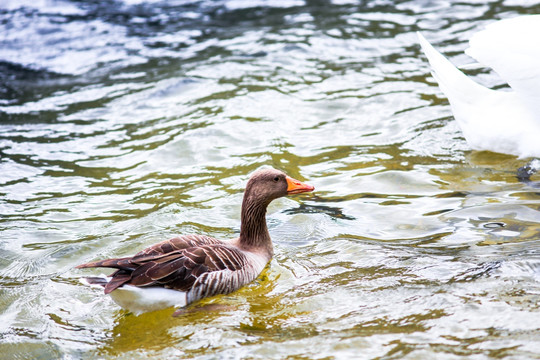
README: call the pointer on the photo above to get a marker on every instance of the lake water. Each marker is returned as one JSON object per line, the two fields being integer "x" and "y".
{"x": 124, "y": 123}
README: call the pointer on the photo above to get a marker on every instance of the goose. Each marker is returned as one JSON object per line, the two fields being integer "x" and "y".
{"x": 184, "y": 269}
{"x": 497, "y": 120}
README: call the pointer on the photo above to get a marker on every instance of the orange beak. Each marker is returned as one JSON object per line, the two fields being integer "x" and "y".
{"x": 297, "y": 187}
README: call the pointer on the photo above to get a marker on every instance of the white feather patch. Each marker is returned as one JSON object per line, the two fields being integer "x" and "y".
{"x": 144, "y": 299}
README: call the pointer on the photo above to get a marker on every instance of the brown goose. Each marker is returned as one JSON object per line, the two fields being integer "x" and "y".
{"x": 187, "y": 268}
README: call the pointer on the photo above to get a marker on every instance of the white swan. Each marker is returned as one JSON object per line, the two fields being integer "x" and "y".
{"x": 497, "y": 120}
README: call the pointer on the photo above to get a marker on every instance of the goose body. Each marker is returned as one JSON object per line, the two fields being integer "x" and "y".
{"x": 179, "y": 271}
{"x": 497, "y": 120}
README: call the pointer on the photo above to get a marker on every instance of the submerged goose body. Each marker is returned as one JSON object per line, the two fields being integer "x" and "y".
{"x": 187, "y": 268}
{"x": 497, "y": 120}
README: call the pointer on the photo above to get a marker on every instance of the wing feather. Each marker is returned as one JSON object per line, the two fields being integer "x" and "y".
{"x": 199, "y": 265}
{"x": 118, "y": 279}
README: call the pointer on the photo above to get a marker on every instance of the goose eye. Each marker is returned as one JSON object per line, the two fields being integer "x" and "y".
{"x": 276, "y": 179}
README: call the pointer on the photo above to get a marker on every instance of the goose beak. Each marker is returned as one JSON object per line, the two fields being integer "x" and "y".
{"x": 297, "y": 187}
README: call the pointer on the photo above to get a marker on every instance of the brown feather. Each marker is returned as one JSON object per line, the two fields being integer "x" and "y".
{"x": 163, "y": 270}
{"x": 119, "y": 263}
{"x": 140, "y": 277}
{"x": 119, "y": 279}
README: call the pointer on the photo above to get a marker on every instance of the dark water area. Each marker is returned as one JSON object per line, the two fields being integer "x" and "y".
{"x": 124, "y": 123}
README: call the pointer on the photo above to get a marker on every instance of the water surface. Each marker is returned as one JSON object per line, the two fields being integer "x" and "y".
{"x": 123, "y": 123}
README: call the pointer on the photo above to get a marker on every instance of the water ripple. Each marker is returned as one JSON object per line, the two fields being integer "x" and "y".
{"x": 125, "y": 122}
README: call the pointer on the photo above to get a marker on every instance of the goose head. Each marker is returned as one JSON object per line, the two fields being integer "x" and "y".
{"x": 269, "y": 184}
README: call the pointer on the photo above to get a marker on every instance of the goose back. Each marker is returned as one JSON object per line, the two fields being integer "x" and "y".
{"x": 200, "y": 266}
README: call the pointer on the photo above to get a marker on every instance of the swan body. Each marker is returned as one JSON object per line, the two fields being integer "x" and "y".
{"x": 495, "y": 120}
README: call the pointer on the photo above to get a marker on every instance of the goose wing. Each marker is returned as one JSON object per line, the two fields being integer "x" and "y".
{"x": 200, "y": 266}
{"x": 162, "y": 248}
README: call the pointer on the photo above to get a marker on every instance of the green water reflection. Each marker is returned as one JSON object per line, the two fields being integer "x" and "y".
{"x": 140, "y": 120}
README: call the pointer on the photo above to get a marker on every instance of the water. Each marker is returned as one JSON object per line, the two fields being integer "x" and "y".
{"x": 123, "y": 123}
